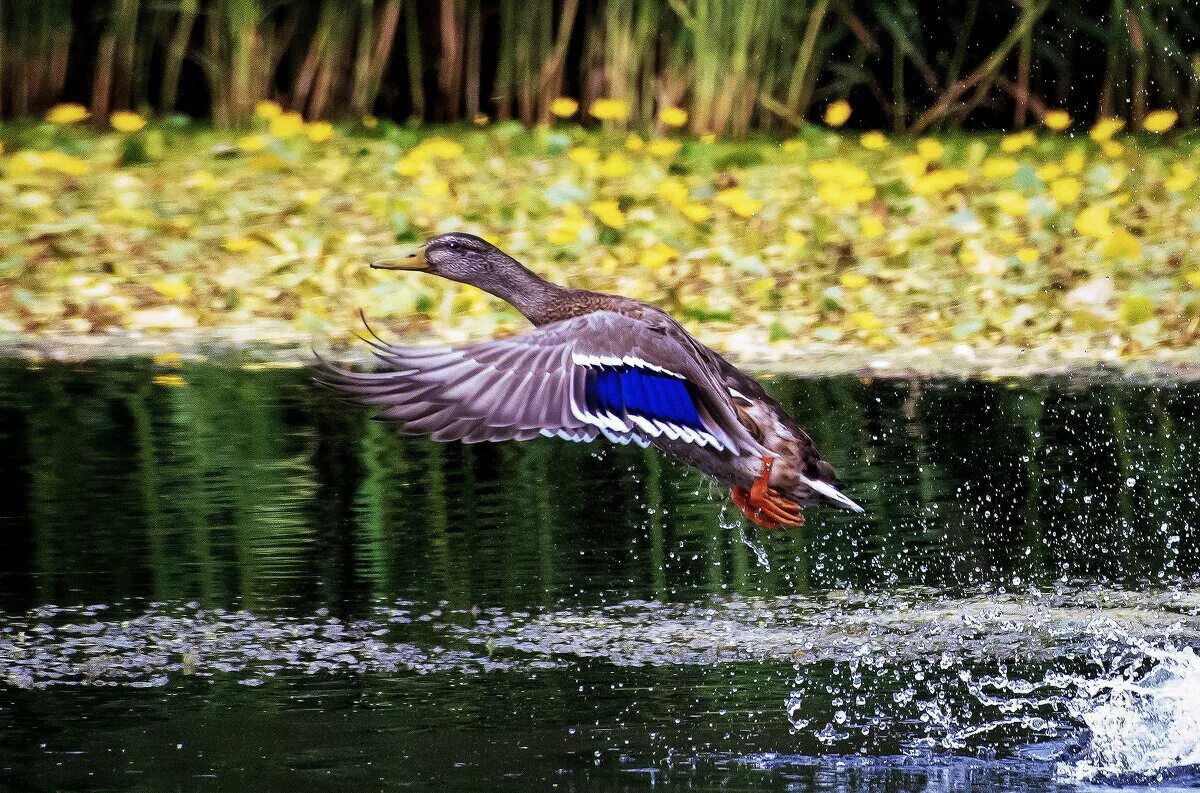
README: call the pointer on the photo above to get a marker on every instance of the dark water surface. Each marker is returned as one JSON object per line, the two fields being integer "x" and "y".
{"x": 230, "y": 581}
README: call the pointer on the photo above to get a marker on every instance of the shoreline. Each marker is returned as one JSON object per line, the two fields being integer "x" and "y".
{"x": 249, "y": 347}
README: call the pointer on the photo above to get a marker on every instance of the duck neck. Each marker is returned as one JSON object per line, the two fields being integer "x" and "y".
{"x": 526, "y": 291}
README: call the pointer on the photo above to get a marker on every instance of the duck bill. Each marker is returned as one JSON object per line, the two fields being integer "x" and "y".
{"x": 413, "y": 261}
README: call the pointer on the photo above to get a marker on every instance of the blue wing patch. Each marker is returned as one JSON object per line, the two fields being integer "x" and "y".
{"x": 631, "y": 390}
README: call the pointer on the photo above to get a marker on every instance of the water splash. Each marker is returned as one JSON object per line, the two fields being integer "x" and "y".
{"x": 1143, "y": 724}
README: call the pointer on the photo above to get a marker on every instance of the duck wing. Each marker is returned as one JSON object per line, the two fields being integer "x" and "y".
{"x": 602, "y": 373}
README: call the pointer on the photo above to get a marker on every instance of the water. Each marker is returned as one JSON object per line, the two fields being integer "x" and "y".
{"x": 241, "y": 584}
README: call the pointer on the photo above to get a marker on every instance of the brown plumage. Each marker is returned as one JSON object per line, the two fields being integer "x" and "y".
{"x": 594, "y": 365}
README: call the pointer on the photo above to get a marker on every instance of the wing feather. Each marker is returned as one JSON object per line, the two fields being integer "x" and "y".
{"x": 564, "y": 379}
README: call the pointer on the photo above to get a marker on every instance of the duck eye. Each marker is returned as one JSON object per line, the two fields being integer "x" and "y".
{"x": 452, "y": 245}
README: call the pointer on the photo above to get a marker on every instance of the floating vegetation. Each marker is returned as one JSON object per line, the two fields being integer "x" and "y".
{"x": 1110, "y": 671}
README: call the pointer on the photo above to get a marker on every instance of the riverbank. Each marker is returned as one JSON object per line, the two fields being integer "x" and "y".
{"x": 824, "y": 252}
{"x": 256, "y": 348}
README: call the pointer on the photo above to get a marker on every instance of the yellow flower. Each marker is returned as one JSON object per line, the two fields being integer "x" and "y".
{"x": 125, "y": 121}
{"x": 871, "y": 227}
{"x": 930, "y": 149}
{"x": 66, "y": 164}
{"x": 1027, "y": 255}
{"x": 172, "y": 288}
{"x": 435, "y": 188}
{"x": 634, "y": 142}
{"x": 239, "y": 244}
{"x": 1105, "y": 128}
{"x": 69, "y": 113}
{"x": 1014, "y": 142}
{"x": 610, "y": 109}
{"x": 408, "y": 166}
{"x": 1065, "y": 190}
{"x": 672, "y": 117}
{"x": 939, "y": 181}
{"x": 795, "y": 239}
{"x": 1121, "y": 245}
{"x": 1057, "y": 120}
{"x": 999, "y": 167}
{"x": 794, "y": 144}
{"x": 310, "y": 197}
{"x": 439, "y": 148}
{"x": 708, "y": 137}
{"x": 697, "y": 213}
{"x": 1181, "y": 178}
{"x": 169, "y": 380}
{"x": 267, "y": 109}
{"x": 1193, "y": 277}
{"x": 252, "y": 143}
{"x": 370, "y": 122}
{"x": 837, "y": 113}
{"x": 566, "y": 231}
{"x": 853, "y": 280}
{"x": 673, "y": 190}
{"x": 874, "y": 140}
{"x": 608, "y": 213}
{"x": 614, "y": 166}
{"x": 319, "y": 131}
{"x": 739, "y": 201}
{"x": 1160, "y": 120}
{"x": 1112, "y": 148}
{"x": 564, "y": 107}
{"x": 866, "y": 320}
{"x": 657, "y": 255}
{"x": 1073, "y": 162}
{"x": 287, "y": 125}
{"x": 201, "y": 180}
{"x": 1093, "y": 222}
{"x": 1049, "y": 172}
{"x": 663, "y": 147}
{"x": 1012, "y": 203}
{"x": 583, "y": 154}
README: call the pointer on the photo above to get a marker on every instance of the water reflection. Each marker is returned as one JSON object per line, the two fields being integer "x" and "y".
{"x": 256, "y": 488}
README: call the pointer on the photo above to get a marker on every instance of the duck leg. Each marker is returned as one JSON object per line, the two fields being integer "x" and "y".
{"x": 763, "y": 505}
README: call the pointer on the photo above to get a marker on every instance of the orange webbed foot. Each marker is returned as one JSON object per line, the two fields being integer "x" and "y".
{"x": 763, "y": 505}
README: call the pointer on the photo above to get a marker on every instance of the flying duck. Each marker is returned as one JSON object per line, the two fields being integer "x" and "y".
{"x": 594, "y": 366}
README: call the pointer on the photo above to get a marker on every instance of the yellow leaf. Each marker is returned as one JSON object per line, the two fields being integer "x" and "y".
{"x": 871, "y": 227}
{"x": 1136, "y": 309}
{"x": 672, "y": 116}
{"x": 267, "y": 109}
{"x": 874, "y": 140}
{"x": 69, "y": 113}
{"x": 564, "y": 107}
{"x": 1159, "y": 121}
{"x": 1057, "y": 120}
{"x": 125, "y": 121}
{"x": 1093, "y": 222}
{"x": 1065, "y": 190}
{"x": 1105, "y": 128}
{"x": 663, "y": 147}
{"x": 609, "y": 109}
{"x": 172, "y": 288}
{"x": 837, "y": 113}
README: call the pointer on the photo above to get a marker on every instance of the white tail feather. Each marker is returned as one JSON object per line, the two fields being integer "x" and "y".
{"x": 832, "y": 493}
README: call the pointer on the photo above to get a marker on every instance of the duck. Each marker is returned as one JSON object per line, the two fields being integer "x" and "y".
{"x": 594, "y": 366}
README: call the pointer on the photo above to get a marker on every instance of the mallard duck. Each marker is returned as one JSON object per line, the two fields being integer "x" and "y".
{"x": 594, "y": 366}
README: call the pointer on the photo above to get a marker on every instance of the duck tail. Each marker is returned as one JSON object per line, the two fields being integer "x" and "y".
{"x": 835, "y": 496}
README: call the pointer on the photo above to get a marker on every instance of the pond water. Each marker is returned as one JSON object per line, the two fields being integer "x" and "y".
{"x": 223, "y": 579}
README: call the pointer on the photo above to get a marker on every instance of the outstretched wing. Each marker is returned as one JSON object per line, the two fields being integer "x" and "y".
{"x": 599, "y": 374}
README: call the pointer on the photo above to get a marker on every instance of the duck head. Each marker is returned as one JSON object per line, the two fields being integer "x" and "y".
{"x": 457, "y": 256}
